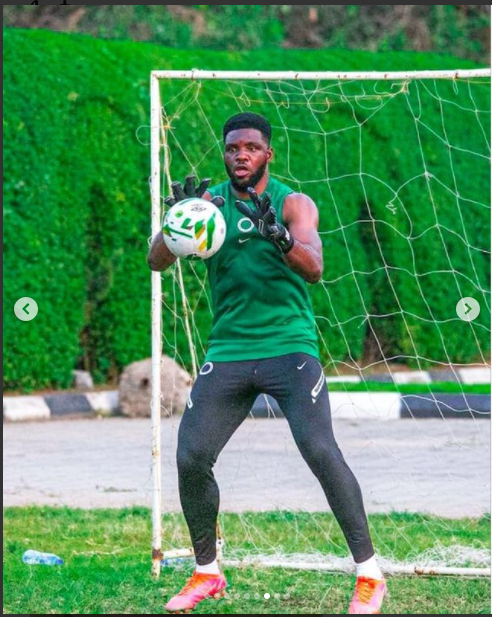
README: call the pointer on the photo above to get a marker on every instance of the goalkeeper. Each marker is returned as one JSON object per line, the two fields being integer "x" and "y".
{"x": 263, "y": 340}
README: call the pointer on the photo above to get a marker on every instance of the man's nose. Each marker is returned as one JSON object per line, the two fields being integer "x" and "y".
{"x": 242, "y": 155}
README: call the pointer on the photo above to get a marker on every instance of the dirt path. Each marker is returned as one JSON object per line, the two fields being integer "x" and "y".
{"x": 440, "y": 467}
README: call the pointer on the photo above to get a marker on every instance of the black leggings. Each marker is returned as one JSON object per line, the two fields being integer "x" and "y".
{"x": 220, "y": 401}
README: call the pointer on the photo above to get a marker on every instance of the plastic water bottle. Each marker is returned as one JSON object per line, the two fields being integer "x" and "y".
{"x": 177, "y": 563}
{"x": 33, "y": 558}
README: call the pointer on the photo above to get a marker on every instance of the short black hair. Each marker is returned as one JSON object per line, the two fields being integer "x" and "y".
{"x": 249, "y": 120}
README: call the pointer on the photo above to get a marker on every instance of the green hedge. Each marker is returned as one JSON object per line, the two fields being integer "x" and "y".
{"x": 76, "y": 205}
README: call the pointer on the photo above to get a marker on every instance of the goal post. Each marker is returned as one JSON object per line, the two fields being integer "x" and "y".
{"x": 161, "y": 175}
{"x": 156, "y": 331}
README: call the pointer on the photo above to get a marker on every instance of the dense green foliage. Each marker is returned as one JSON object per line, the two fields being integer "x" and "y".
{"x": 107, "y": 563}
{"x": 76, "y": 202}
{"x": 462, "y": 30}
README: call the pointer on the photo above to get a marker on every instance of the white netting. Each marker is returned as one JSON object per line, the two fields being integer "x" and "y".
{"x": 441, "y": 558}
{"x": 400, "y": 173}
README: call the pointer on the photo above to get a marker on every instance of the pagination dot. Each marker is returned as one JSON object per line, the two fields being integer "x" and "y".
{"x": 267, "y": 596}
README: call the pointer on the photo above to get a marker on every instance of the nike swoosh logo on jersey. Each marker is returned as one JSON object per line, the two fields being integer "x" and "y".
{"x": 244, "y": 240}
{"x": 302, "y": 366}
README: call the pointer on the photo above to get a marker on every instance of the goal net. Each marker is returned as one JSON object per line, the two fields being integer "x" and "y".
{"x": 399, "y": 167}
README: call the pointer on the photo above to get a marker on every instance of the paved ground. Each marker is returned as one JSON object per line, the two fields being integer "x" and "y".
{"x": 442, "y": 467}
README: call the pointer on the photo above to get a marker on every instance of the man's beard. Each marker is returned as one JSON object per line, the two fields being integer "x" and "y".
{"x": 242, "y": 185}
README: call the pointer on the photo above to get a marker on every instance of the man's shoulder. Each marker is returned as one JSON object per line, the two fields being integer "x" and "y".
{"x": 296, "y": 203}
{"x": 299, "y": 197}
{"x": 280, "y": 186}
{"x": 219, "y": 189}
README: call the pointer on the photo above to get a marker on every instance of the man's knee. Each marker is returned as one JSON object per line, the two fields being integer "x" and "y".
{"x": 193, "y": 459}
{"x": 324, "y": 454}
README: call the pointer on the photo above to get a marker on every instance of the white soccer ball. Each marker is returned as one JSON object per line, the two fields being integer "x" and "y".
{"x": 194, "y": 229}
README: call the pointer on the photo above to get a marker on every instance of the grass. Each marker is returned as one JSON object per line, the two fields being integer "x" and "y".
{"x": 107, "y": 570}
{"x": 442, "y": 387}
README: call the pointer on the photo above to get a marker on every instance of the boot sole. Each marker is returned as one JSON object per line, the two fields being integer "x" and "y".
{"x": 216, "y": 596}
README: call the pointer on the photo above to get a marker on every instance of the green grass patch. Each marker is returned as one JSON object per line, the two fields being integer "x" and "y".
{"x": 107, "y": 563}
{"x": 443, "y": 387}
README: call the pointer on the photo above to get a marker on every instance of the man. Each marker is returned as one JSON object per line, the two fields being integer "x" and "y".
{"x": 263, "y": 340}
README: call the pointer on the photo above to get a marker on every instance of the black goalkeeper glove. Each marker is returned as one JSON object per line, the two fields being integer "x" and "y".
{"x": 265, "y": 220}
{"x": 189, "y": 190}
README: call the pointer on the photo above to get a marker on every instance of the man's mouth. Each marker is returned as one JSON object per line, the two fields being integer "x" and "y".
{"x": 241, "y": 171}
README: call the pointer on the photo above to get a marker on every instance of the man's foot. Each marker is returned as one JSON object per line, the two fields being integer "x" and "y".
{"x": 199, "y": 587}
{"x": 368, "y": 597}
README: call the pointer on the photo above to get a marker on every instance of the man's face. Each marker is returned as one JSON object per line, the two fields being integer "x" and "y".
{"x": 246, "y": 157}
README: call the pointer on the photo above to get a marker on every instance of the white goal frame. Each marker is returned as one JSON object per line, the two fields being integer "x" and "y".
{"x": 156, "y": 315}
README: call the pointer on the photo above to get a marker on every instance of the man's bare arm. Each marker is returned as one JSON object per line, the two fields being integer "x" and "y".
{"x": 160, "y": 257}
{"x": 306, "y": 256}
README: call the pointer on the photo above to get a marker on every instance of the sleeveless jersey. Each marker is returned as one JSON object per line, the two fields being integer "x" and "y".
{"x": 261, "y": 308}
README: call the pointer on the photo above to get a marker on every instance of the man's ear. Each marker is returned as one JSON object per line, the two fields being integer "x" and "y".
{"x": 270, "y": 155}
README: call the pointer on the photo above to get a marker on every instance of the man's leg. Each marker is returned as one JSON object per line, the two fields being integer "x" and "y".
{"x": 298, "y": 384}
{"x": 220, "y": 400}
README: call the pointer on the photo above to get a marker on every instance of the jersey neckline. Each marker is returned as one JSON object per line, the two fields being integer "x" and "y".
{"x": 268, "y": 186}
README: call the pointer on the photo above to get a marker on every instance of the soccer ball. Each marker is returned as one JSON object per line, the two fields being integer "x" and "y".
{"x": 194, "y": 229}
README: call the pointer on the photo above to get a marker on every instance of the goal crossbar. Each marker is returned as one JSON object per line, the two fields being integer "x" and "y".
{"x": 194, "y": 74}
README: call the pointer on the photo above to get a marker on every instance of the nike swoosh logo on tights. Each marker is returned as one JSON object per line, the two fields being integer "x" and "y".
{"x": 302, "y": 366}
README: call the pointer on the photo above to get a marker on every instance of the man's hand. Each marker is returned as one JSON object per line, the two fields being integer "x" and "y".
{"x": 189, "y": 191}
{"x": 265, "y": 220}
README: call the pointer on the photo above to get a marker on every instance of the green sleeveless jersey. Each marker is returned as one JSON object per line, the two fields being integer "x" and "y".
{"x": 261, "y": 308}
